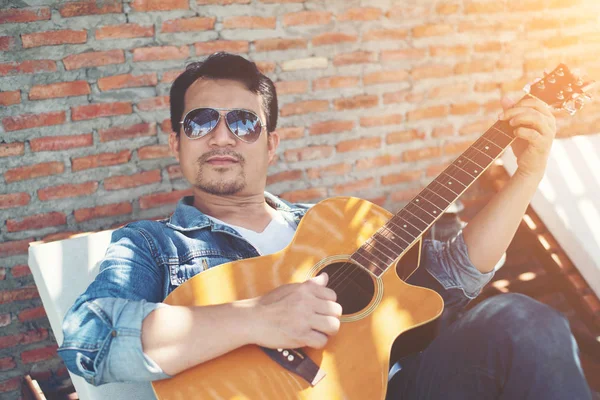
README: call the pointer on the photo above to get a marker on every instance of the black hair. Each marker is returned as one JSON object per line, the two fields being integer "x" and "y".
{"x": 224, "y": 65}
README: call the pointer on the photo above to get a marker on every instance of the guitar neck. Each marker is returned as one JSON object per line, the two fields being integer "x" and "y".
{"x": 412, "y": 221}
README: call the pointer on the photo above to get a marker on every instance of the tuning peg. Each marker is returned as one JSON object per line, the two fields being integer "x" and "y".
{"x": 579, "y": 103}
{"x": 569, "y": 107}
{"x": 560, "y": 72}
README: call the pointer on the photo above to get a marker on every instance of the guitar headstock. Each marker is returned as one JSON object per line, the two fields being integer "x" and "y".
{"x": 561, "y": 89}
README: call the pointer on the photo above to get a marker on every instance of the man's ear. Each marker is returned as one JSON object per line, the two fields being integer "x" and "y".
{"x": 174, "y": 144}
{"x": 272, "y": 143}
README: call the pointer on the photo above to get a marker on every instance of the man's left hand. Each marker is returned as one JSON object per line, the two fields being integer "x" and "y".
{"x": 535, "y": 129}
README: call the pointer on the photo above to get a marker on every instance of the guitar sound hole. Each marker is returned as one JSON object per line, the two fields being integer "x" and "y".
{"x": 353, "y": 285}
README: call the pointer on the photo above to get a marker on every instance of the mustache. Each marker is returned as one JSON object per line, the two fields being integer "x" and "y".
{"x": 204, "y": 157}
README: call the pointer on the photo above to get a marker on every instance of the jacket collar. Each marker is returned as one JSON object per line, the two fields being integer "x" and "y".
{"x": 187, "y": 217}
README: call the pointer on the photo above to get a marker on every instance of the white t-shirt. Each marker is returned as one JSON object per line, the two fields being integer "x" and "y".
{"x": 274, "y": 237}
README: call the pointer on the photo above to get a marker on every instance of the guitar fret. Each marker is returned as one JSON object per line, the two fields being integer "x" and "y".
{"x": 391, "y": 248}
{"x": 414, "y": 220}
{"x": 461, "y": 165}
{"x": 450, "y": 183}
{"x": 498, "y": 148}
{"x": 404, "y": 225}
{"x": 378, "y": 251}
{"x": 401, "y": 231}
{"x": 457, "y": 173}
{"x": 391, "y": 236}
{"x": 427, "y": 204}
{"x": 420, "y": 214}
{"x": 482, "y": 160}
{"x": 448, "y": 195}
{"x": 436, "y": 198}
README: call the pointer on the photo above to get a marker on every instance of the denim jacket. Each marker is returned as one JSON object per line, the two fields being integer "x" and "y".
{"x": 146, "y": 260}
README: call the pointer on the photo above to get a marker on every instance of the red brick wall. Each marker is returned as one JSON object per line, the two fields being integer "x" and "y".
{"x": 375, "y": 98}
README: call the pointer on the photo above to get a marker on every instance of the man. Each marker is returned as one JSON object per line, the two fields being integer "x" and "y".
{"x": 224, "y": 114}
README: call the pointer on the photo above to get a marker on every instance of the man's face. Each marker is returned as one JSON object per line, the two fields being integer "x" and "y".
{"x": 219, "y": 163}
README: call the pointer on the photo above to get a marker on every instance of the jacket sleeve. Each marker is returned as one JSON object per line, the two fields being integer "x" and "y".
{"x": 102, "y": 330}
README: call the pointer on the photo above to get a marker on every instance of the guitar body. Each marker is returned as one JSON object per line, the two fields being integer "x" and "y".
{"x": 376, "y": 311}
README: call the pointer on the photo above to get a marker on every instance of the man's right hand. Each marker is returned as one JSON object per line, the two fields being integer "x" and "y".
{"x": 296, "y": 315}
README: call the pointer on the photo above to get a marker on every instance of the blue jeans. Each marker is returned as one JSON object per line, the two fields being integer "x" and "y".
{"x": 507, "y": 347}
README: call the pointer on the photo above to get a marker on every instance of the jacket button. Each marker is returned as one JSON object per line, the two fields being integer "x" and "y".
{"x": 114, "y": 333}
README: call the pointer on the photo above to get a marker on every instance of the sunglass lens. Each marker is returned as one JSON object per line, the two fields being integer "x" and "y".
{"x": 200, "y": 121}
{"x": 244, "y": 125}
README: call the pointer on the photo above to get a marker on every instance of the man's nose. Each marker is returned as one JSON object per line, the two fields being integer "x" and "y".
{"x": 221, "y": 135}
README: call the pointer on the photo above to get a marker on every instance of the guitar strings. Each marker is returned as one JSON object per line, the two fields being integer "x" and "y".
{"x": 494, "y": 133}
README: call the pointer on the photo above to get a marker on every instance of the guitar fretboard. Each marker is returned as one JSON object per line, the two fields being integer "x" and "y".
{"x": 410, "y": 223}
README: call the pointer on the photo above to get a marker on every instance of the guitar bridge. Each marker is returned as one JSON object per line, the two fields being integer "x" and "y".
{"x": 297, "y": 362}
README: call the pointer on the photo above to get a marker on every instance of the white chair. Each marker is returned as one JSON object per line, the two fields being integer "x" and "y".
{"x": 62, "y": 271}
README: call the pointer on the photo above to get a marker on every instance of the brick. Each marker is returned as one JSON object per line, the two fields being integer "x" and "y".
{"x": 447, "y": 8}
{"x": 12, "y": 248}
{"x": 7, "y": 363}
{"x": 385, "y": 34}
{"x": 165, "y": 126}
{"x": 280, "y": 44}
{"x": 307, "y": 18}
{"x": 421, "y": 154}
{"x": 127, "y": 81}
{"x": 27, "y": 67}
{"x": 432, "y": 30}
{"x": 292, "y": 132}
{"x": 357, "y": 57}
{"x": 265, "y": 67}
{"x": 381, "y": 120}
{"x": 51, "y": 38}
{"x": 488, "y": 47}
{"x": 38, "y": 221}
{"x": 360, "y": 14}
{"x": 12, "y": 200}
{"x": 59, "y": 236}
{"x": 67, "y": 191}
{"x": 404, "y": 11}
{"x": 403, "y": 136}
{"x": 464, "y": 108}
{"x": 128, "y": 132}
{"x": 28, "y": 337}
{"x": 330, "y": 170}
{"x": 130, "y": 181}
{"x": 458, "y": 147}
{"x": 376, "y": 162}
{"x": 10, "y": 98}
{"x": 335, "y": 82}
{"x": 154, "y": 103}
{"x": 154, "y": 151}
{"x": 124, "y": 31}
{"x": 443, "y": 131}
{"x": 160, "y": 53}
{"x": 222, "y": 2}
{"x": 304, "y": 195}
{"x": 34, "y": 171}
{"x": 448, "y": 51}
{"x": 231, "y": 46}
{"x": 360, "y": 101}
{"x": 160, "y": 199}
{"x": 333, "y": 38}
{"x": 486, "y": 86}
{"x": 159, "y": 5}
{"x": 188, "y": 24}
{"x": 90, "y": 7}
{"x": 11, "y": 384}
{"x": 402, "y": 177}
{"x": 321, "y": 128}
{"x": 308, "y": 153}
{"x": 249, "y": 22}
{"x": 61, "y": 89}
{"x": 170, "y": 76}
{"x": 108, "y": 210}
{"x": 358, "y": 144}
{"x": 94, "y": 59}
{"x": 476, "y": 127}
{"x": 92, "y": 111}
{"x": 435, "y": 170}
{"x": 6, "y": 43}
{"x": 304, "y": 107}
{"x": 19, "y": 271}
{"x": 100, "y": 160}
{"x": 2, "y": 273}
{"x": 28, "y": 121}
{"x": 32, "y": 313}
{"x": 12, "y": 149}
{"x": 475, "y": 67}
{"x": 425, "y": 113}
{"x": 28, "y": 14}
{"x": 405, "y": 195}
{"x": 291, "y": 87}
{"x": 451, "y": 90}
{"x": 404, "y": 54}
{"x": 305, "y": 63}
{"x": 379, "y": 77}
{"x": 431, "y": 71}
{"x": 283, "y": 176}
{"x": 355, "y": 186}
{"x": 41, "y": 354}
{"x": 402, "y": 96}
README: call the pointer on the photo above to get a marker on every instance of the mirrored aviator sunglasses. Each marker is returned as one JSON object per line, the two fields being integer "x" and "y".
{"x": 244, "y": 124}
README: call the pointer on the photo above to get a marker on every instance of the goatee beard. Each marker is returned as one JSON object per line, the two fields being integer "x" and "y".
{"x": 221, "y": 187}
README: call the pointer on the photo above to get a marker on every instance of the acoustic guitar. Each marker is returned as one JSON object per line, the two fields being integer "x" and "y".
{"x": 368, "y": 254}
